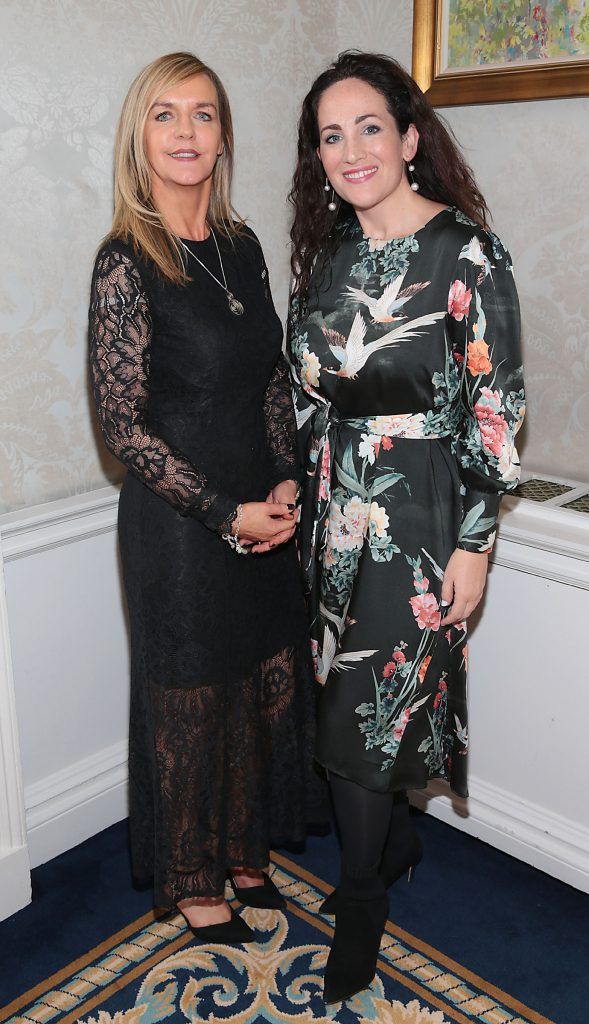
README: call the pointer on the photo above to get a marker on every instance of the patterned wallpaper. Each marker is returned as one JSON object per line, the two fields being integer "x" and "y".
{"x": 532, "y": 162}
{"x": 66, "y": 67}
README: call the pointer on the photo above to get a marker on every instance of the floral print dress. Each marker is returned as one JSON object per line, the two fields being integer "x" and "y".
{"x": 409, "y": 394}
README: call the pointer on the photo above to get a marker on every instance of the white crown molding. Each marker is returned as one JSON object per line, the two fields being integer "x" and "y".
{"x": 55, "y": 523}
{"x": 534, "y": 524}
{"x": 523, "y": 829}
{"x": 549, "y": 542}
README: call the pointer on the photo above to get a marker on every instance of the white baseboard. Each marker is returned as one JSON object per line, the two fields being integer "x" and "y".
{"x": 75, "y": 803}
{"x": 78, "y": 802}
{"x": 15, "y": 881}
{"x": 518, "y": 827}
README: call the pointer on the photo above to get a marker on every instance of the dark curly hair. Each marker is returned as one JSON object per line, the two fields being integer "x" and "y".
{"x": 440, "y": 168}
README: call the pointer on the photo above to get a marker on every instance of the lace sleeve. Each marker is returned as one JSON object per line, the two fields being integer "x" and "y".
{"x": 281, "y": 426}
{"x": 120, "y": 339}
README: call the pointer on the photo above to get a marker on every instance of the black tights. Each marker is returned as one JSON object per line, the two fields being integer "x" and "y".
{"x": 364, "y": 820}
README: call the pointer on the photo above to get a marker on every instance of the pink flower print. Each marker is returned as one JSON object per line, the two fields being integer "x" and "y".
{"x": 443, "y": 686}
{"x": 421, "y": 583}
{"x": 459, "y": 300}
{"x": 386, "y": 443}
{"x": 448, "y": 635}
{"x": 324, "y": 473}
{"x": 426, "y": 611}
{"x": 492, "y": 424}
{"x": 389, "y": 670}
{"x": 399, "y": 657}
{"x": 401, "y": 724}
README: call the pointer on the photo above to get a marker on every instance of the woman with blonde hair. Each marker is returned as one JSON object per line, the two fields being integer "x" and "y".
{"x": 193, "y": 397}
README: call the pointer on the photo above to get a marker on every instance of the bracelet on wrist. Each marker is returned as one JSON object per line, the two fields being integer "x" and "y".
{"x": 233, "y": 538}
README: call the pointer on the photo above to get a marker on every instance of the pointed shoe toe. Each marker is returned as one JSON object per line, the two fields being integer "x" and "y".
{"x": 351, "y": 964}
{"x": 329, "y": 903}
{"x": 233, "y": 932}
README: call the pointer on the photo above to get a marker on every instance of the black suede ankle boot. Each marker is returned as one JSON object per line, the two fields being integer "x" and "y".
{"x": 360, "y": 918}
{"x": 401, "y": 855}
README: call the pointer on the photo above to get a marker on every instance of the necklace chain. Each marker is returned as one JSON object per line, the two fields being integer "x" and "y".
{"x": 235, "y": 305}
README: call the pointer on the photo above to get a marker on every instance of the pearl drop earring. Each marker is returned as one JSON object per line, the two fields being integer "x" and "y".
{"x": 414, "y": 184}
{"x": 332, "y": 205}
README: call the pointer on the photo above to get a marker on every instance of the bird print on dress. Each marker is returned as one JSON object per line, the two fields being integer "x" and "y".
{"x": 383, "y": 308}
{"x": 326, "y": 658}
{"x": 351, "y": 352}
{"x": 474, "y": 252}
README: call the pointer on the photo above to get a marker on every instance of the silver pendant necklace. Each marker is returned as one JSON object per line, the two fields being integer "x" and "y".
{"x": 235, "y": 305}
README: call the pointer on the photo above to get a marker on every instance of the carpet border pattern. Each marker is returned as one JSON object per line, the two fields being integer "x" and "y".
{"x": 426, "y": 973}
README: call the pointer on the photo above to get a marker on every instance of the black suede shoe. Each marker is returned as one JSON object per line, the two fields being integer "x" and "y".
{"x": 233, "y": 932}
{"x": 360, "y": 918}
{"x": 265, "y": 896}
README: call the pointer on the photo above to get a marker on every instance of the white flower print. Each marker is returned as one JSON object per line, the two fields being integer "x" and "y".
{"x": 402, "y": 425}
{"x": 368, "y": 447}
{"x": 379, "y": 519}
{"x": 310, "y": 369}
{"x": 347, "y": 526}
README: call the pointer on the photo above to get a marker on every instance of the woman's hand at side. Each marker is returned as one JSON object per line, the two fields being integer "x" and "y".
{"x": 464, "y": 584}
{"x": 266, "y": 524}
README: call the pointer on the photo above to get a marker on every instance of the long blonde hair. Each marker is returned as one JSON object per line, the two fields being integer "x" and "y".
{"x": 135, "y": 218}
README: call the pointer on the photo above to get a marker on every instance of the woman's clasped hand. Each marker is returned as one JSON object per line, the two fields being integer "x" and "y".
{"x": 267, "y": 524}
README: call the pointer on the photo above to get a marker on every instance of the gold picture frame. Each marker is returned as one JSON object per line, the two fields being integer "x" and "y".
{"x": 485, "y": 85}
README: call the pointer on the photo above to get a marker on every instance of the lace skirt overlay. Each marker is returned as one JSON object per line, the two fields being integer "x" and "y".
{"x": 221, "y": 735}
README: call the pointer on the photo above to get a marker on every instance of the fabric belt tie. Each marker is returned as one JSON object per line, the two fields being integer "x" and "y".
{"x": 325, "y": 430}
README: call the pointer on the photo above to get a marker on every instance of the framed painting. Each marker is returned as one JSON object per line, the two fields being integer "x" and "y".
{"x": 490, "y": 51}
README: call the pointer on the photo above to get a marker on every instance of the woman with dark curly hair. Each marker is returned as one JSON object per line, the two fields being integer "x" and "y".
{"x": 405, "y": 349}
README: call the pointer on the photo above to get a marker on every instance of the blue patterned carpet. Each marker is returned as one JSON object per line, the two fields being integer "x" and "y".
{"x": 514, "y": 946}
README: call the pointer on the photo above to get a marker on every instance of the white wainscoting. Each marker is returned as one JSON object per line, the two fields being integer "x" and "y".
{"x": 70, "y": 666}
{"x": 529, "y": 758}
{"x": 528, "y": 766}
{"x": 15, "y": 880}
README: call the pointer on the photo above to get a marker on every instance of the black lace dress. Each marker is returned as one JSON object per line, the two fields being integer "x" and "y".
{"x": 196, "y": 403}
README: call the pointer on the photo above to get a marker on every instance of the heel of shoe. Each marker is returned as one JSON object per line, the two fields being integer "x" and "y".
{"x": 265, "y": 896}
